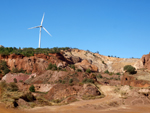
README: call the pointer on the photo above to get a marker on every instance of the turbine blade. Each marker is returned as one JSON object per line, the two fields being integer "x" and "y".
{"x": 47, "y": 31}
{"x": 42, "y": 19}
{"x": 34, "y": 27}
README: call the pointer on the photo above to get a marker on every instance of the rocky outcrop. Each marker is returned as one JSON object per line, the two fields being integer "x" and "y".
{"x": 146, "y": 61}
{"x": 18, "y": 76}
{"x": 60, "y": 91}
{"x": 103, "y": 63}
{"x": 88, "y": 90}
{"x": 86, "y": 65}
{"x": 37, "y": 63}
{"x": 132, "y": 80}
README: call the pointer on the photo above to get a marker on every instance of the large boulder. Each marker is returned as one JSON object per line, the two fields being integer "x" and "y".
{"x": 89, "y": 90}
{"x": 22, "y": 102}
{"x": 75, "y": 59}
{"x": 60, "y": 91}
{"x": 86, "y": 65}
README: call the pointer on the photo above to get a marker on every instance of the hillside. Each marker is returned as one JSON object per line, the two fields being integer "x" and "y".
{"x": 48, "y": 77}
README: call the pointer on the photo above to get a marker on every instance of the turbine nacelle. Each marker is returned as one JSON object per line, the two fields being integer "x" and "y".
{"x": 40, "y": 30}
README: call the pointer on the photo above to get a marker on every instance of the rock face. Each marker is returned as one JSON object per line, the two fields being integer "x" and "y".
{"x": 37, "y": 63}
{"x": 146, "y": 61}
{"x": 86, "y": 65}
{"x": 60, "y": 91}
{"x": 133, "y": 80}
{"x": 82, "y": 60}
{"x": 19, "y": 76}
{"x": 103, "y": 63}
{"x": 89, "y": 90}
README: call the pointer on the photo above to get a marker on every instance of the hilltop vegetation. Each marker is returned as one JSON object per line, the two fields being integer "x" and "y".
{"x": 30, "y": 51}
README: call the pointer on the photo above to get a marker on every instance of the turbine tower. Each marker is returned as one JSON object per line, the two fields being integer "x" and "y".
{"x": 40, "y": 30}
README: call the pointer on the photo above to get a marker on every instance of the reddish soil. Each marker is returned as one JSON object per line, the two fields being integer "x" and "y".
{"x": 132, "y": 80}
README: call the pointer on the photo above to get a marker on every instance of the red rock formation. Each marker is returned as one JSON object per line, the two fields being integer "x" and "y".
{"x": 61, "y": 91}
{"x": 86, "y": 65}
{"x": 132, "y": 81}
{"x": 19, "y": 76}
{"x": 146, "y": 61}
{"x": 37, "y": 63}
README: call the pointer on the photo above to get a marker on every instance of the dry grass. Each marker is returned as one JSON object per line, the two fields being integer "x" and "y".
{"x": 89, "y": 97}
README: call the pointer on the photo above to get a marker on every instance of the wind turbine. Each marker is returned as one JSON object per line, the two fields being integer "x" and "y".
{"x": 40, "y": 30}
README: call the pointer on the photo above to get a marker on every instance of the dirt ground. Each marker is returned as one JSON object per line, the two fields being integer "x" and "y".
{"x": 73, "y": 109}
{"x": 87, "y": 106}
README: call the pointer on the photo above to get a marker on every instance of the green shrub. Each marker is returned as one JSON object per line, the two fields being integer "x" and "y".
{"x": 88, "y": 71}
{"x": 60, "y": 81}
{"x": 93, "y": 75}
{"x": 130, "y": 69}
{"x": 103, "y": 62}
{"x": 106, "y": 72}
{"x": 15, "y": 70}
{"x": 86, "y": 80}
{"x": 63, "y": 82}
{"x": 20, "y": 80}
{"x": 72, "y": 66}
{"x": 52, "y": 67}
{"x": 70, "y": 80}
{"x": 3, "y": 67}
{"x": 79, "y": 70}
{"x": 90, "y": 80}
{"x": 30, "y": 51}
{"x": 15, "y": 80}
{"x": 99, "y": 76}
{"x": 3, "y": 84}
{"x": 32, "y": 88}
{"x": 21, "y": 71}
{"x": 118, "y": 73}
{"x": 5, "y": 71}
{"x": 12, "y": 87}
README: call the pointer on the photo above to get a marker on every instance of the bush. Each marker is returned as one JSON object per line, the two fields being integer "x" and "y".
{"x": 15, "y": 80}
{"x": 3, "y": 67}
{"x": 130, "y": 69}
{"x": 71, "y": 80}
{"x": 20, "y": 80}
{"x": 12, "y": 87}
{"x": 79, "y": 70}
{"x": 106, "y": 72}
{"x": 52, "y": 67}
{"x": 99, "y": 76}
{"x": 118, "y": 73}
{"x": 5, "y": 71}
{"x": 32, "y": 88}
{"x": 86, "y": 80}
{"x": 15, "y": 70}
{"x": 103, "y": 62}
{"x": 88, "y": 71}
{"x": 72, "y": 66}
{"x": 30, "y": 51}
{"x": 63, "y": 82}
{"x": 93, "y": 75}
{"x": 60, "y": 81}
